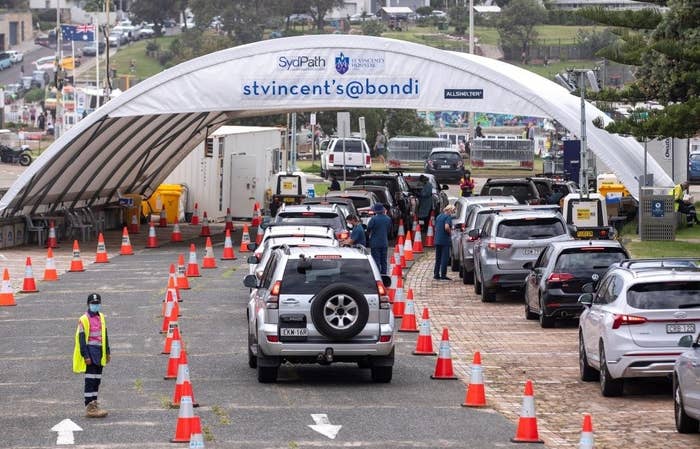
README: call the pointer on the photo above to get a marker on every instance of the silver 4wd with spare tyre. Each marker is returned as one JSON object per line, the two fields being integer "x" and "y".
{"x": 320, "y": 305}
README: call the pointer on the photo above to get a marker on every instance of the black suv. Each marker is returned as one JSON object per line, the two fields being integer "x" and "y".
{"x": 398, "y": 187}
{"x": 523, "y": 189}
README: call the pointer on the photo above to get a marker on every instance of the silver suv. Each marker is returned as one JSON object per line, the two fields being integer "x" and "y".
{"x": 320, "y": 305}
{"x": 508, "y": 241}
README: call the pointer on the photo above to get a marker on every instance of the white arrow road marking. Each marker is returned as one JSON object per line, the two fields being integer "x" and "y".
{"x": 324, "y": 426}
{"x": 65, "y": 431}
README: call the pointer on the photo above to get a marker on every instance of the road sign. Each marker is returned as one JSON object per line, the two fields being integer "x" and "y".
{"x": 343, "y": 124}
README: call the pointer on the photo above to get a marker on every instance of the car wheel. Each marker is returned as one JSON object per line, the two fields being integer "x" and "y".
{"x": 609, "y": 387}
{"x": 467, "y": 276}
{"x": 546, "y": 322}
{"x": 455, "y": 263}
{"x": 586, "y": 372}
{"x": 340, "y": 311}
{"x": 684, "y": 423}
{"x": 382, "y": 374}
{"x": 477, "y": 284}
{"x": 529, "y": 315}
{"x": 252, "y": 359}
{"x": 487, "y": 294}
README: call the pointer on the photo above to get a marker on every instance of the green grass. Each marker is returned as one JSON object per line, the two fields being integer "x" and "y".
{"x": 145, "y": 65}
{"x": 552, "y": 69}
{"x": 653, "y": 249}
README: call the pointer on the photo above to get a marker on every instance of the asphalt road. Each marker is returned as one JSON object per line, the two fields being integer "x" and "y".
{"x": 38, "y": 389}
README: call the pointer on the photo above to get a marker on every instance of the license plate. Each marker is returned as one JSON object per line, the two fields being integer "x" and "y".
{"x": 531, "y": 251}
{"x": 584, "y": 234}
{"x": 680, "y": 328}
{"x": 444, "y": 166}
{"x": 294, "y": 332}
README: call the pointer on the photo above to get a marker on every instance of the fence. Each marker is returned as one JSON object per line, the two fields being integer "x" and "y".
{"x": 502, "y": 152}
{"x": 411, "y": 152}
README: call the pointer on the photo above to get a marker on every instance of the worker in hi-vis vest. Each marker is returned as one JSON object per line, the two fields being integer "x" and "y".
{"x": 91, "y": 353}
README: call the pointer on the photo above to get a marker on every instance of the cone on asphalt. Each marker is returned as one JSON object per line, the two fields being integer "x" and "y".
{"x": 424, "y": 343}
{"x": 430, "y": 233}
{"x": 7, "y": 295}
{"x": 527, "y": 424}
{"x": 50, "y": 273}
{"x": 397, "y": 255}
{"x": 205, "y": 231}
{"x": 192, "y": 266}
{"x": 414, "y": 224}
{"x": 182, "y": 282}
{"x": 134, "y": 225}
{"x": 408, "y": 248}
{"x": 187, "y": 423}
{"x": 209, "y": 261}
{"x": 172, "y": 335}
{"x": 417, "y": 240}
{"x": 257, "y": 218}
{"x": 172, "y": 282}
{"x": 76, "y": 263}
{"x": 586, "y": 441}
{"x": 476, "y": 396}
{"x": 401, "y": 231}
{"x": 259, "y": 235}
{"x": 176, "y": 235}
{"x": 173, "y": 360}
{"x": 443, "y": 366}
{"x": 245, "y": 240}
{"x": 183, "y": 386}
{"x": 126, "y": 249}
{"x": 101, "y": 255}
{"x": 152, "y": 241}
{"x": 162, "y": 219}
{"x": 51, "y": 241}
{"x": 228, "y": 222}
{"x": 171, "y": 313}
{"x": 228, "y": 254}
{"x": 399, "y": 306}
{"x": 391, "y": 291}
{"x": 29, "y": 283}
{"x": 408, "y": 322}
{"x": 195, "y": 215}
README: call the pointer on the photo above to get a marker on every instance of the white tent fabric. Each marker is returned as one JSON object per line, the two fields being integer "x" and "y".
{"x": 134, "y": 141}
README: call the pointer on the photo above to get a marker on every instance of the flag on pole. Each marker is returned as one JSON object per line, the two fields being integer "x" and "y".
{"x": 71, "y": 33}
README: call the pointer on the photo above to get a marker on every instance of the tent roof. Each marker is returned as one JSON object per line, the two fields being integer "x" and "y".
{"x": 134, "y": 141}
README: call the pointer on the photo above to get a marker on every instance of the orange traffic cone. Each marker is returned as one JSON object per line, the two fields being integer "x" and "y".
{"x": 172, "y": 282}
{"x": 50, "y": 273}
{"x": 430, "y": 233}
{"x": 192, "y": 266}
{"x": 391, "y": 291}
{"x": 399, "y": 305}
{"x": 29, "y": 283}
{"x": 173, "y": 360}
{"x": 414, "y": 225}
{"x": 195, "y": 215}
{"x": 408, "y": 248}
{"x": 443, "y": 367}
{"x": 187, "y": 423}
{"x": 7, "y": 296}
{"x": 476, "y": 396}
{"x": 205, "y": 232}
{"x": 183, "y": 386}
{"x": 52, "y": 242}
{"x": 401, "y": 231}
{"x": 586, "y": 441}
{"x": 397, "y": 255}
{"x": 76, "y": 264}
{"x": 152, "y": 240}
{"x": 418, "y": 240}
{"x": 101, "y": 256}
{"x": 228, "y": 222}
{"x": 424, "y": 344}
{"x": 134, "y": 225}
{"x": 228, "y": 247}
{"x": 172, "y": 311}
{"x": 527, "y": 424}
{"x": 172, "y": 335}
{"x": 245, "y": 240}
{"x": 176, "y": 235}
{"x": 162, "y": 219}
{"x": 257, "y": 219}
{"x": 259, "y": 235}
{"x": 182, "y": 282}
{"x": 209, "y": 261}
{"x": 126, "y": 249}
{"x": 408, "y": 323}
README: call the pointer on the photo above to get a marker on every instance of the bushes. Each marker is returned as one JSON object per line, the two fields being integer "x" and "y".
{"x": 34, "y": 95}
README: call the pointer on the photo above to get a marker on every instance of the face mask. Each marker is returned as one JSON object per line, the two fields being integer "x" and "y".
{"x": 94, "y": 308}
{"x": 350, "y": 225}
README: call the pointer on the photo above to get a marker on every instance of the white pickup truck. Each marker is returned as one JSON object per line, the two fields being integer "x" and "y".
{"x": 357, "y": 159}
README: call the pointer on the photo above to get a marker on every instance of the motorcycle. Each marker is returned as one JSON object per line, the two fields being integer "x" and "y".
{"x": 23, "y": 155}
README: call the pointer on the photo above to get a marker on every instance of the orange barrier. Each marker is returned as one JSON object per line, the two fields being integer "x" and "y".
{"x": 192, "y": 266}
{"x": 50, "y": 273}
{"x": 424, "y": 344}
{"x": 476, "y": 396}
{"x": 205, "y": 231}
{"x": 29, "y": 283}
{"x": 195, "y": 215}
{"x": 209, "y": 261}
{"x": 182, "y": 282}
{"x": 228, "y": 254}
{"x": 443, "y": 367}
{"x": 527, "y": 424}
{"x": 7, "y": 296}
{"x": 152, "y": 241}
{"x": 76, "y": 263}
{"x": 126, "y": 249}
{"x": 408, "y": 323}
{"x": 101, "y": 255}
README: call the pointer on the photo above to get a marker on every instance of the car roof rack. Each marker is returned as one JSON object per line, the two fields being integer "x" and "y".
{"x": 629, "y": 263}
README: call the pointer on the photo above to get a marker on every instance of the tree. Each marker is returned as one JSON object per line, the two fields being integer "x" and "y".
{"x": 319, "y": 8}
{"x": 243, "y": 20}
{"x": 373, "y": 28}
{"x": 459, "y": 18}
{"x": 516, "y": 25}
{"x": 155, "y": 11}
{"x": 405, "y": 122}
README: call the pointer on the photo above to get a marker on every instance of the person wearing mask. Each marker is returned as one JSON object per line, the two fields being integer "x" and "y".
{"x": 91, "y": 353}
{"x": 682, "y": 204}
{"x": 357, "y": 235}
{"x": 466, "y": 184}
{"x": 425, "y": 200}
{"x": 443, "y": 242}
{"x": 379, "y": 227}
{"x": 335, "y": 185}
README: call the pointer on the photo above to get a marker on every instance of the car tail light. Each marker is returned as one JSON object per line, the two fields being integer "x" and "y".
{"x": 384, "y": 338}
{"x": 342, "y": 235}
{"x": 494, "y": 246}
{"x": 383, "y": 297}
{"x": 368, "y": 160}
{"x": 331, "y": 158}
{"x": 620, "y": 320}
{"x": 472, "y": 239}
{"x": 274, "y": 298}
{"x": 528, "y": 164}
{"x": 559, "y": 277}
{"x": 273, "y": 338}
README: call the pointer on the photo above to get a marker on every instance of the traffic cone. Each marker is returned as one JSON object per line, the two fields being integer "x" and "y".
{"x": 183, "y": 386}
{"x": 408, "y": 248}
{"x": 176, "y": 235}
{"x": 586, "y": 441}
{"x": 187, "y": 423}
{"x": 29, "y": 283}
{"x": 228, "y": 247}
{"x": 259, "y": 235}
{"x": 396, "y": 255}
{"x": 443, "y": 367}
{"x": 527, "y": 424}
{"x": 408, "y": 323}
{"x": 172, "y": 335}
{"x": 172, "y": 282}
{"x": 76, "y": 264}
{"x": 209, "y": 261}
{"x": 192, "y": 266}
{"x": 134, "y": 225}
{"x": 51, "y": 242}
{"x": 424, "y": 344}
{"x": 173, "y": 360}
{"x": 101, "y": 256}
{"x": 399, "y": 306}
{"x": 256, "y": 221}
{"x": 7, "y": 296}
{"x": 205, "y": 232}
{"x": 228, "y": 222}
{"x": 418, "y": 240}
{"x": 415, "y": 224}
{"x": 162, "y": 219}
{"x": 152, "y": 241}
{"x": 476, "y": 397}
{"x": 172, "y": 311}
{"x": 401, "y": 231}
{"x": 126, "y": 249}
{"x": 182, "y": 282}
{"x": 195, "y": 215}
{"x": 430, "y": 234}
{"x": 50, "y": 273}
{"x": 245, "y": 240}
{"x": 391, "y": 291}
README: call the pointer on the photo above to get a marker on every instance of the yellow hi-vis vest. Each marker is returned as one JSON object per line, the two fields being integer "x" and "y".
{"x": 677, "y": 193}
{"x": 79, "y": 365}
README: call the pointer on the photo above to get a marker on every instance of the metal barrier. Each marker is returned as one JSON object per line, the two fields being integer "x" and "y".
{"x": 502, "y": 152}
{"x": 553, "y": 166}
{"x": 657, "y": 214}
{"x": 411, "y": 152}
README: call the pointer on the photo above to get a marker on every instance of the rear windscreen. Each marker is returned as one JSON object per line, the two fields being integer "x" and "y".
{"x": 310, "y": 218}
{"x": 664, "y": 295}
{"x": 520, "y": 192}
{"x": 525, "y": 229}
{"x": 450, "y": 157}
{"x": 361, "y": 202}
{"x": 587, "y": 259}
{"x": 351, "y": 146}
{"x": 323, "y": 272}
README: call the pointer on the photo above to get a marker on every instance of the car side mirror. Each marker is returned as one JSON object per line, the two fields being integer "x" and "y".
{"x": 250, "y": 281}
{"x": 587, "y": 287}
{"x": 445, "y": 187}
{"x": 572, "y": 229}
{"x": 686, "y": 341}
{"x": 386, "y": 280}
{"x": 252, "y": 260}
{"x": 529, "y": 265}
{"x": 474, "y": 233}
{"x": 586, "y": 299}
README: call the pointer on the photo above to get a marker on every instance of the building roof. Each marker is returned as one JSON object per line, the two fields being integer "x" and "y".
{"x": 397, "y": 10}
{"x": 484, "y": 9}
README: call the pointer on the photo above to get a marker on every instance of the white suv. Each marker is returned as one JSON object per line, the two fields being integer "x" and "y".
{"x": 320, "y": 305}
{"x": 357, "y": 161}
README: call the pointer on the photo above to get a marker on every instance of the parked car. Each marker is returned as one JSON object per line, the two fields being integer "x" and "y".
{"x": 40, "y": 79}
{"x": 445, "y": 164}
{"x": 506, "y": 242}
{"x": 398, "y": 187}
{"x": 558, "y": 275}
{"x": 316, "y": 215}
{"x": 26, "y": 82}
{"x": 632, "y": 322}
{"x": 363, "y": 200}
{"x": 440, "y": 199}
{"x": 351, "y": 154}
{"x": 117, "y": 39}
{"x": 46, "y": 63}
{"x": 320, "y": 305}
{"x": 686, "y": 386}
{"x": 5, "y": 60}
{"x": 694, "y": 166}
{"x": 384, "y": 196}
{"x": 15, "y": 56}
{"x": 91, "y": 48}
{"x": 344, "y": 204}
{"x": 523, "y": 189}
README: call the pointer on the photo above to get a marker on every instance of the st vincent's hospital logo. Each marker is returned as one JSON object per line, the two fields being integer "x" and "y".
{"x": 342, "y": 63}
{"x": 365, "y": 62}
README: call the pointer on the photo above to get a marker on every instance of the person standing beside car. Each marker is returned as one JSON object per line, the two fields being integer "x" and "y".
{"x": 379, "y": 227}
{"x": 443, "y": 242}
{"x": 425, "y": 200}
{"x": 357, "y": 235}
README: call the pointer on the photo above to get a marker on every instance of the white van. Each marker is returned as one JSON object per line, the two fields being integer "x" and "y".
{"x": 357, "y": 160}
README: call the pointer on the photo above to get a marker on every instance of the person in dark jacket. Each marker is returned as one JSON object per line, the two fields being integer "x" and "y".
{"x": 379, "y": 227}
{"x": 443, "y": 242}
{"x": 425, "y": 200}
{"x": 357, "y": 235}
{"x": 335, "y": 185}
